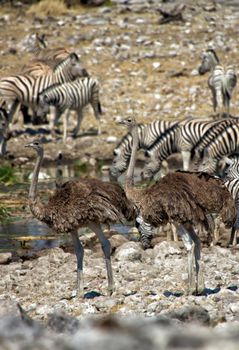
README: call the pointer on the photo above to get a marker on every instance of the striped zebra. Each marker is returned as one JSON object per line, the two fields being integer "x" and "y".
{"x": 148, "y": 134}
{"x": 182, "y": 139}
{"x": 226, "y": 143}
{"x": 4, "y": 131}
{"x": 190, "y": 133}
{"x": 231, "y": 181}
{"x": 24, "y": 89}
{"x": 37, "y": 68}
{"x": 222, "y": 81}
{"x": 161, "y": 149}
{"x": 71, "y": 96}
{"x": 210, "y": 135}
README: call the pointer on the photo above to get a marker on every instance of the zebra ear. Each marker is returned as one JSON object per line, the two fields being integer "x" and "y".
{"x": 116, "y": 152}
{"x": 74, "y": 57}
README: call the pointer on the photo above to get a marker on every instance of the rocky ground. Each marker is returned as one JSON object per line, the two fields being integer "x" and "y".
{"x": 149, "y": 70}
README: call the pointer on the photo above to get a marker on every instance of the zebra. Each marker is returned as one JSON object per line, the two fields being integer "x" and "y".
{"x": 210, "y": 135}
{"x": 24, "y": 89}
{"x": 161, "y": 149}
{"x": 71, "y": 96}
{"x": 148, "y": 133}
{"x": 226, "y": 143}
{"x": 182, "y": 139}
{"x": 4, "y": 131}
{"x": 231, "y": 181}
{"x": 190, "y": 134}
{"x": 222, "y": 80}
{"x": 41, "y": 51}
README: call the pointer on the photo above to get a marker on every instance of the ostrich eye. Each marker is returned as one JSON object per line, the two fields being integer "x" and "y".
{"x": 36, "y": 143}
{"x": 129, "y": 120}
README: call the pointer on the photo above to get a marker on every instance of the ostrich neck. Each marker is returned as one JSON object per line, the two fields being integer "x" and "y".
{"x": 129, "y": 182}
{"x": 33, "y": 187}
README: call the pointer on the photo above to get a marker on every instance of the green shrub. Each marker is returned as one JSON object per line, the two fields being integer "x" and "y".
{"x": 8, "y": 175}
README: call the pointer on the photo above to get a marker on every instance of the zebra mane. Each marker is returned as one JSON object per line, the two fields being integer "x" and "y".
{"x": 214, "y": 54}
{"x": 71, "y": 56}
{"x": 162, "y": 136}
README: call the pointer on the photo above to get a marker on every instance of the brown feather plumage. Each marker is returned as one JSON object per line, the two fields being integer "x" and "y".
{"x": 79, "y": 202}
{"x": 184, "y": 197}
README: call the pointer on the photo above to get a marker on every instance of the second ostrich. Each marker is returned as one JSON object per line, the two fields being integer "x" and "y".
{"x": 184, "y": 198}
{"x": 81, "y": 203}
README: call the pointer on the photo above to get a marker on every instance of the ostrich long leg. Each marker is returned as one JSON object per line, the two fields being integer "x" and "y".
{"x": 106, "y": 247}
{"x": 197, "y": 255}
{"x": 79, "y": 250}
{"x": 189, "y": 245}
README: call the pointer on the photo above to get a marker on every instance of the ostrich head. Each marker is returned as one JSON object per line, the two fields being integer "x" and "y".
{"x": 129, "y": 122}
{"x": 36, "y": 145}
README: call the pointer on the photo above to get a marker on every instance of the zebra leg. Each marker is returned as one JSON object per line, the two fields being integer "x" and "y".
{"x": 3, "y": 146}
{"x": 55, "y": 120}
{"x": 65, "y": 124}
{"x": 79, "y": 120}
{"x": 106, "y": 247}
{"x": 214, "y": 100}
{"x": 14, "y": 109}
{"x": 233, "y": 237}
{"x": 186, "y": 155}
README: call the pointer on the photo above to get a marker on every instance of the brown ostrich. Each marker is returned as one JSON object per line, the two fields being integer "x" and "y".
{"x": 81, "y": 203}
{"x": 186, "y": 199}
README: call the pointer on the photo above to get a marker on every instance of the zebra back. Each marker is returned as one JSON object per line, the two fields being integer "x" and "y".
{"x": 191, "y": 131}
{"x": 226, "y": 143}
{"x": 73, "y": 95}
{"x": 214, "y": 130}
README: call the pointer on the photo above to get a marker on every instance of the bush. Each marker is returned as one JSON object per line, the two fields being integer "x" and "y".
{"x": 8, "y": 175}
{"x": 48, "y": 7}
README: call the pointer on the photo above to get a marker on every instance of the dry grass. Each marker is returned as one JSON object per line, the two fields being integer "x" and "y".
{"x": 48, "y": 7}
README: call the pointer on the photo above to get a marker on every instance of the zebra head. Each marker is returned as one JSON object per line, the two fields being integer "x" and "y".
{"x": 151, "y": 167}
{"x": 119, "y": 164}
{"x": 77, "y": 70}
{"x": 231, "y": 167}
{"x": 208, "y": 164}
{"x": 43, "y": 104}
{"x": 209, "y": 61}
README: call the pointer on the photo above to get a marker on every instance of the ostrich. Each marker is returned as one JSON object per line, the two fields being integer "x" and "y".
{"x": 187, "y": 199}
{"x": 80, "y": 203}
